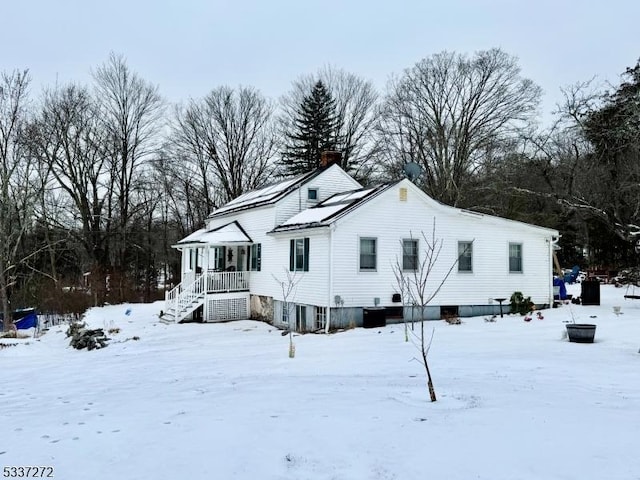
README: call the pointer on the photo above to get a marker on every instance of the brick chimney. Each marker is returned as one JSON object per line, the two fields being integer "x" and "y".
{"x": 329, "y": 157}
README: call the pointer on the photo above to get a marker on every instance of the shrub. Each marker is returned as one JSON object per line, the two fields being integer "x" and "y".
{"x": 520, "y": 304}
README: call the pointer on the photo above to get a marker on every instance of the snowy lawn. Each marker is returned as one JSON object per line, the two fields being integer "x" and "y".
{"x": 516, "y": 400}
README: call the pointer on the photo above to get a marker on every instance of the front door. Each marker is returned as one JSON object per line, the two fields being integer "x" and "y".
{"x": 242, "y": 259}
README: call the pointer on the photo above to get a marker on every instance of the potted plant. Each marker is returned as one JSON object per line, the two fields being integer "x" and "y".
{"x": 580, "y": 332}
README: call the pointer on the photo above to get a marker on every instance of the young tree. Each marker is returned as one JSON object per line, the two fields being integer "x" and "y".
{"x": 449, "y": 112}
{"x": 312, "y": 130}
{"x": 421, "y": 282}
{"x": 355, "y": 102}
{"x": 288, "y": 286}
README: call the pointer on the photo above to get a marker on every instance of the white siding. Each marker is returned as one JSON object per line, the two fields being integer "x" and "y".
{"x": 390, "y": 220}
{"x": 256, "y": 222}
{"x": 333, "y": 180}
{"x": 334, "y": 252}
{"x": 313, "y": 286}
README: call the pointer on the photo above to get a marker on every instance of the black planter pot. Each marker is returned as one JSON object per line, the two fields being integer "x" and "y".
{"x": 581, "y": 332}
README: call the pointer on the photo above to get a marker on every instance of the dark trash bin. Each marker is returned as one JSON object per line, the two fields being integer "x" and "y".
{"x": 590, "y": 292}
{"x": 374, "y": 317}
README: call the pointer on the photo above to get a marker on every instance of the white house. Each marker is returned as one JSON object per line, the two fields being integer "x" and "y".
{"x": 340, "y": 244}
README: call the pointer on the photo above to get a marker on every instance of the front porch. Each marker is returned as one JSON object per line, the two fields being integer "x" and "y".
{"x": 209, "y": 297}
{"x": 214, "y": 275}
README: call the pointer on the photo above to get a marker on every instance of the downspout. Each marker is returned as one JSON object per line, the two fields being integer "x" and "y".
{"x": 330, "y": 289}
{"x": 552, "y": 258}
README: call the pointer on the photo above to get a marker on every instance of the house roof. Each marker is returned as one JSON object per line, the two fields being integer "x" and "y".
{"x": 229, "y": 233}
{"x": 331, "y": 209}
{"x": 266, "y": 195}
{"x": 343, "y": 203}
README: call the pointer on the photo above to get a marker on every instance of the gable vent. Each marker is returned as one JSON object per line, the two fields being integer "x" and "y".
{"x": 403, "y": 194}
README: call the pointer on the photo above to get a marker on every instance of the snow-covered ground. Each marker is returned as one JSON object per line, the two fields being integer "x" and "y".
{"x": 516, "y": 400}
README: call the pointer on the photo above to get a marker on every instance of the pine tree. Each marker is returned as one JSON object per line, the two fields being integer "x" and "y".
{"x": 314, "y": 131}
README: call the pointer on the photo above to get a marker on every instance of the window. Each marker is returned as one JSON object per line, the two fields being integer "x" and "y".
{"x": 192, "y": 258}
{"x": 465, "y": 256}
{"x": 195, "y": 259}
{"x": 312, "y": 194}
{"x": 515, "y": 258}
{"x": 285, "y": 313}
{"x": 220, "y": 258}
{"x": 410, "y": 254}
{"x": 256, "y": 257}
{"x": 367, "y": 254}
{"x": 321, "y": 318}
{"x": 299, "y": 255}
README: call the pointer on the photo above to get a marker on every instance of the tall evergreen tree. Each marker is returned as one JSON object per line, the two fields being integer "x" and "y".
{"x": 313, "y": 131}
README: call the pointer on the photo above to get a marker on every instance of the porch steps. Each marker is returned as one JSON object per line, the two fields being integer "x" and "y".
{"x": 185, "y": 307}
{"x": 186, "y": 298}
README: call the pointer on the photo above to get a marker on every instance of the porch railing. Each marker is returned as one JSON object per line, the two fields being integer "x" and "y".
{"x": 190, "y": 292}
{"x": 227, "y": 281}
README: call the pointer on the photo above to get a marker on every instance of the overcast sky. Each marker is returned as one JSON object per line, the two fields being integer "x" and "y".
{"x": 188, "y": 47}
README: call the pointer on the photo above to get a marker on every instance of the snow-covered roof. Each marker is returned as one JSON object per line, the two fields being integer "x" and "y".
{"x": 330, "y": 209}
{"x": 229, "y": 233}
{"x": 314, "y": 215}
{"x": 264, "y": 196}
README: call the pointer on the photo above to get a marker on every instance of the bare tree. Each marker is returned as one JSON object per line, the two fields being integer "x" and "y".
{"x": 227, "y": 141}
{"x": 288, "y": 286}
{"x": 355, "y": 102}
{"x": 449, "y": 112}
{"x": 69, "y": 138}
{"x": 20, "y": 183}
{"x": 130, "y": 109}
{"x": 421, "y": 285}
{"x": 403, "y": 285}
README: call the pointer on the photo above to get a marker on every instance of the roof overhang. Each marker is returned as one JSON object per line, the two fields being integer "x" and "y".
{"x": 231, "y": 233}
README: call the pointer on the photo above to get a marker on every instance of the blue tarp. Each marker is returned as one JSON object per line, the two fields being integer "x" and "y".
{"x": 558, "y": 282}
{"x": 24, "y": 318}
{"x": 28, "y": 321}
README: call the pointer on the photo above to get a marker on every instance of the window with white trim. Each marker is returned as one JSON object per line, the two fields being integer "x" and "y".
{"x": 515, "y": 258}
{"x": 410, "y": 254}
{"x": 368, "y": 254}
{"x": 220, "y": 260}
{"x": 299, "y": 255}
{"x": 465, "y": 257}
{"x": 312, "y": 194}
{"x": 255, "y": 253}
